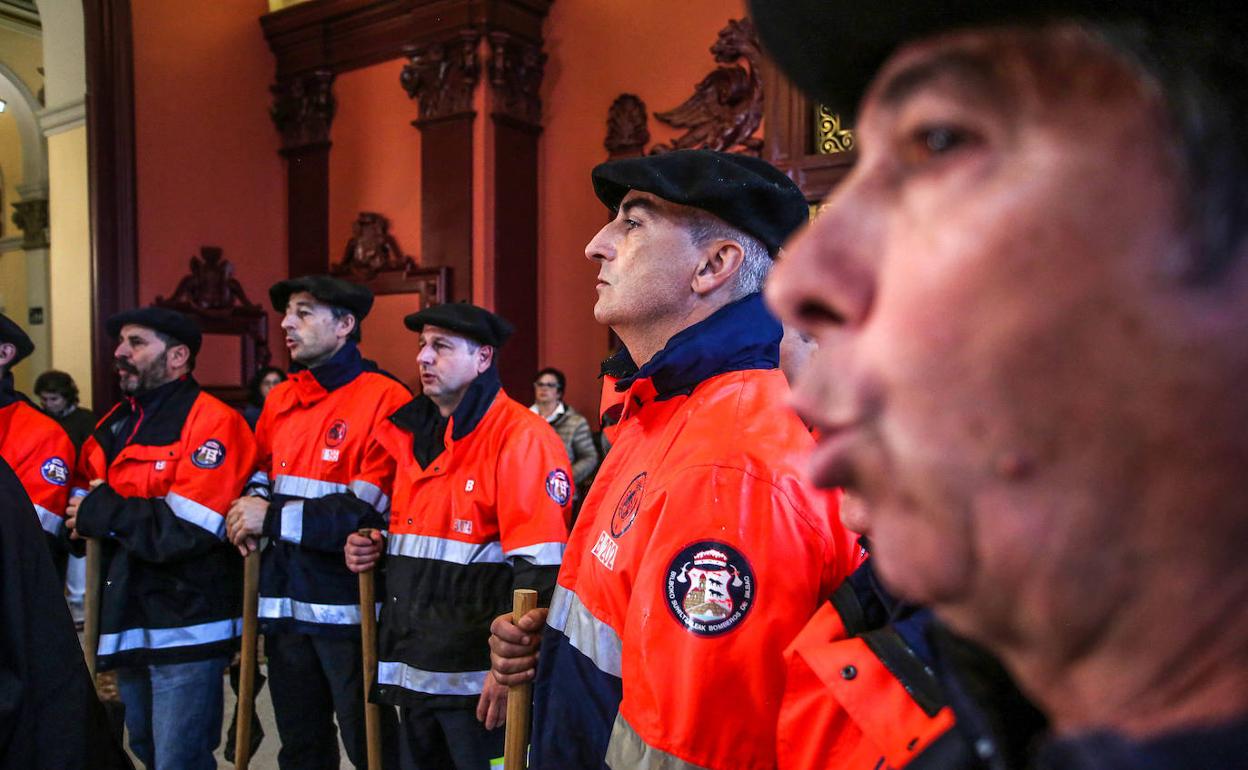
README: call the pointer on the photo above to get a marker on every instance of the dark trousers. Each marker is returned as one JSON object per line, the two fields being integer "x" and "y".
{"x": 445, "y": 738}
{"x": 312, "y": 679}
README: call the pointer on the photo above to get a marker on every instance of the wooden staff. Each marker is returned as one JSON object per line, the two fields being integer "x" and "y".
{"x": 91, "y": 604}
{"x": 519, "y": 696}
{"x": 368, "y": 638}
{"x": 247, "y": 660}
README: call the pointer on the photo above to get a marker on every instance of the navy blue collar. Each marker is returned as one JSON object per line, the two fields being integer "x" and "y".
{"x": 341, "y": 368}
{"x": 9, "y": 394}
{"x": 421, "y": 417}
{"x": 740, "y": 335}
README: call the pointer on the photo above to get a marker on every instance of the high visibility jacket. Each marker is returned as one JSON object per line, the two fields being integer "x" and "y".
{"x": 859, "y": 692}
{"x": 42, "y": 455}
{"x": 172, "y": 461}
{"x": 311, "y": 439}
{"x": 698, "y": 556}
{"x": 486, "y": 515}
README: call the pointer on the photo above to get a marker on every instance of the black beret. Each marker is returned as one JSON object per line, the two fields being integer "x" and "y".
{"x": 831, "y": 49}
{"x": 469, "y": 320}
{"x": 326, "y": 288}
{"x": 181, "y": 327}
{"x": 747, "y": 193}
{"x": 13, "y": 334}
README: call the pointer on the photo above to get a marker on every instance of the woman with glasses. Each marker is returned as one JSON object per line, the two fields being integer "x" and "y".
{"x": 571, "y": 426}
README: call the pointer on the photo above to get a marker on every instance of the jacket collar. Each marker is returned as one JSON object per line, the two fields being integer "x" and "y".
{"x": 152, "y": 418}
{"x": 428, "y": 427}
{"x": 740, "y": 335}
{"x": 343, "y": 367}
{"x": 8, "y": 393}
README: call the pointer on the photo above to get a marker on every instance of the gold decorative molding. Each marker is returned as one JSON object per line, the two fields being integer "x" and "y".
{"x": 830, "y": 136}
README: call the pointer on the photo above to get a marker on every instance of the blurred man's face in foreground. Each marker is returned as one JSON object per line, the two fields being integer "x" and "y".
{"x": 997, "y": 361}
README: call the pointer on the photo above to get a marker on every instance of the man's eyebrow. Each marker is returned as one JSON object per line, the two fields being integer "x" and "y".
{"x": 976, "y": 73}
{"x": 644, "y": 204}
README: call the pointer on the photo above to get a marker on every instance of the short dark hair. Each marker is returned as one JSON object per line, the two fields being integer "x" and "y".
{"x": 1200, "y": 71}
{"x": 58, "y": 382}
{"x": 253, "y": 385}
{"x": 171, "y": 341}
{"x": 553, "y": 372}
{"x": 338, "y": 312}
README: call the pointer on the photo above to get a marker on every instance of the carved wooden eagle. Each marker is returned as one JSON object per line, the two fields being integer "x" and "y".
{"x": 727, "y": 106}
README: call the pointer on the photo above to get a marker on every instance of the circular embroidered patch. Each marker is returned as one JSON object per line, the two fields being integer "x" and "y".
{"x": 55, "y": 471}
{"x": 710, "y": 588}
{"x": 630, "y": 502}
{"x": 337, "y": 433}
{"x": 558, "y": 486}
{"x": 210, "y": 454}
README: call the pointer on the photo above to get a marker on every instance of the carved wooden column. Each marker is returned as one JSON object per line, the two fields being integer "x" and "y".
{"x": 442, "y": 77}
{"x": 303, "y": 109}
{"x": 516, "y": 68}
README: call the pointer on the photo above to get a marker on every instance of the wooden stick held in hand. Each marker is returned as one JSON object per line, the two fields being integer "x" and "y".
{"x": 91, "y": 607}
{"x": 247, "y": 674}
{"x": 519, "y": 696}
{"x": 368, "y": 638}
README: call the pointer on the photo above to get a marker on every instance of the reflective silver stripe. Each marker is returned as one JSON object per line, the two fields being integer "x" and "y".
{"x": 164, "y": 638}
{"x": 430, "y": 682}
{"x": 198, "y": 514}
{"x": 298, "y": 486}
{"x": 541, "y": 554}
{"x": 442, "y": 549}
{"x": 371, "y": 494}
{"x": 292, "y": 521}
{"x": 79, "y": 492}
{"x": 627, "y": 751}
{"x": 276, "y": 607}
{"x": 595, "y": 639}
{"x": 259, "y": 478}
{"x": 50, "y": 522}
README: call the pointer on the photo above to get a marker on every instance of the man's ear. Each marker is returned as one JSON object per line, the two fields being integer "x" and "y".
{"x": 485, "y": 356}
{"x": 720, "y": 262}
{"x": 8, "y": 352}
{"x": 346, "y": 324}
{"x": 179, "y": 355}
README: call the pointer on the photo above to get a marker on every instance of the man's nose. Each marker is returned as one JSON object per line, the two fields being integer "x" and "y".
{"x": 599, "y": 248}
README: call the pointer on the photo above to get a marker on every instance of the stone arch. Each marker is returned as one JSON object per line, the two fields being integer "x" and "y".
{"x": 24, "y": 106}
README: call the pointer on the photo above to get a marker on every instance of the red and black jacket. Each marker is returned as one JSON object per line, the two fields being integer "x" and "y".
{"x": 42, "y": 455}
{"x": 172, "y": 460}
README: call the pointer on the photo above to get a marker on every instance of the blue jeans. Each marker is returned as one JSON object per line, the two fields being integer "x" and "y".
{"x": 174, "y": 712}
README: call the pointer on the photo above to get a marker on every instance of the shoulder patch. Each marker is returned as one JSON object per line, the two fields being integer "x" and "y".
{"x": 558, "y": 486}
{"x": 210, "y": 454}
{"x": 55, "y": 471}
{"x": 710, "y": 588}
{"x": 630, "y": 503}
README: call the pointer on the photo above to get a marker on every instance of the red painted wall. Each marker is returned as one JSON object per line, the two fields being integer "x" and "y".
{"x": 655, "y": 49}
{"x": 209, "y": 172}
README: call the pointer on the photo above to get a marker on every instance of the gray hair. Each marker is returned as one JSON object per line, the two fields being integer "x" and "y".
{"x": 756, "y": 263}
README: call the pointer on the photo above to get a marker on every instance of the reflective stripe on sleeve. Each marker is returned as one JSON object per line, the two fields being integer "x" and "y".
{"x": 50, "y": 522}
{"x": 442, "y": 549}
{"x": 540, "y": 554}
{"x": 596, "y": 640}
{"x": 627, "y": 750}
{"x": 298, "y": 486}
{"x": 164, "y": 638}
{"x": 371, "y": 494}
{"x": 259, "y": 478}
{"x": 292, "y": 521}
{"x": 430, "y": 682}
{"x": 279, "y": 607}
{"x": 195, "y": 513}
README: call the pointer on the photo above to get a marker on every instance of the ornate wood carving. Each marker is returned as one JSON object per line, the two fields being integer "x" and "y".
{"x": 371, "y": 249}
{"x": 516, "y": 68}
{"x": 213, "y": 296}
{"x": 441, "y": 75}
{"x": 726, "y": 108}
{"x": 31, "y": 217}
{"x": 830, "y": 136}
{"x": 627, "y": 132}
{"x": 303, "y": 108}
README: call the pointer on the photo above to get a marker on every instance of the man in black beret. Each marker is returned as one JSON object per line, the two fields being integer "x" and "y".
{"x": 35, "y": 446}
{"x": 307, "y": 496}
{"x": 481, "y": 493}
{"x": 1031, "y": 295}
{"x": 698, "y": 554}
{"x": 153, "y": 484}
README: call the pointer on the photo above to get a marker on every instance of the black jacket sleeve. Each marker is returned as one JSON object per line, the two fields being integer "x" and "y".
{"x": 324, "y": 522}
{"x": 145, "y": 526}
{"x": 539, "y": 578}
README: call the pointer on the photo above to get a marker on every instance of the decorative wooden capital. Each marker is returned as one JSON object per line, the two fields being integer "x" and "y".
{"x": 627, "y": 132}
{"x": 516, "y": 69}
{"x": 441, "y": 76}
{"x": 31, "y": 217}
{"x": 303, "y": 108}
